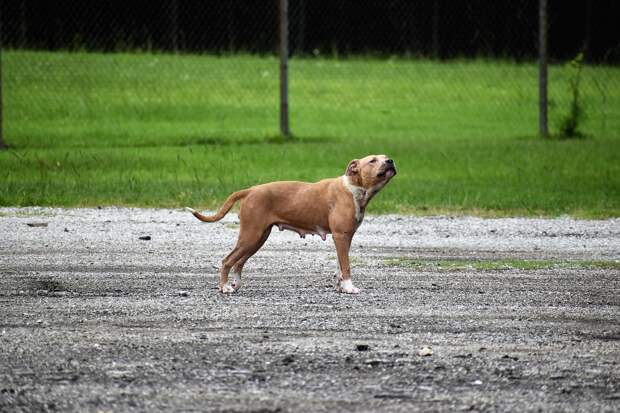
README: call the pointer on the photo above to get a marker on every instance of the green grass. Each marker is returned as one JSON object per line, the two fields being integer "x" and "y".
{"x": 161, "y": 130}
{"x": 497, "y": 265}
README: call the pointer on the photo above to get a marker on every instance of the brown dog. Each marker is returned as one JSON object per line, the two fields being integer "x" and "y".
{"x": 332, "y": 206}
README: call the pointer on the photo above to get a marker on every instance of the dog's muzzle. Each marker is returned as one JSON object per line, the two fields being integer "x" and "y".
{"x": 389, "y": 170}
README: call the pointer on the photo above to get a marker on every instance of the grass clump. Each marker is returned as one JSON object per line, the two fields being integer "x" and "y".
{"x": 497, "y": 265}
{"x": 570, "y": 124}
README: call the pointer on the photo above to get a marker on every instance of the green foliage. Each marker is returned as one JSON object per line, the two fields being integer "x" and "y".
{"x": 103, "y": 100}
{"x": 569, "y": 125}
{"x": 490, "y": 177}
{"x": 167, "y": 131}
{"x": 497, "y": 265}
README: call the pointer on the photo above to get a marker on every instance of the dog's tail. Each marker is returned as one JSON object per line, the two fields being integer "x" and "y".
{"x": 234, "y": 197}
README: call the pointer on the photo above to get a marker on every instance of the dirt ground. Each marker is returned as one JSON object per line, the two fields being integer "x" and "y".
{"x": 117, "y": 310}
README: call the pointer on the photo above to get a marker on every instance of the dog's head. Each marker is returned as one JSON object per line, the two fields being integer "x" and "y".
{"x": 373, "y": 171}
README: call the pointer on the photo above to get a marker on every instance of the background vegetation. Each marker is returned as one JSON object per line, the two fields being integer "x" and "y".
{"x": 167, "y": 130}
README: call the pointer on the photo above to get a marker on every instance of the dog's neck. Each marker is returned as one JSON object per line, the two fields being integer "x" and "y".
{"x": 361, "y": 196}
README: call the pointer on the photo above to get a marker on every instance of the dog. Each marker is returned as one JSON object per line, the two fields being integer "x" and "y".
{"x": 332, "y": 206}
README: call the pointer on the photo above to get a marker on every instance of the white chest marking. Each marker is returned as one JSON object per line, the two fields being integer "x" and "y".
{"x": 359, "y": 198}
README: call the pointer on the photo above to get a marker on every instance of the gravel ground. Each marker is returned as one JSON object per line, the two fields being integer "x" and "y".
{"x": 94, "y": 318}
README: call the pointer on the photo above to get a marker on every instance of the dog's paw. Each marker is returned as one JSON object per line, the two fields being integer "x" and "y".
{"x": 347, "y": 287}
{"x": 227, "y": 288}
{"x": 236, "y": 282}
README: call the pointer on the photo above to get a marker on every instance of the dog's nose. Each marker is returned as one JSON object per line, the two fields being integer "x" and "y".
{"x": 389, "y": 161}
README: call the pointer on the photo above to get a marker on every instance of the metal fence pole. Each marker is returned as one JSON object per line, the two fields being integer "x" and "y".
{"x": 435, "y": 40}
{"x": 284, "y": 126}
{"x": 174, "y": 26}
{"x": 542, "y": 69}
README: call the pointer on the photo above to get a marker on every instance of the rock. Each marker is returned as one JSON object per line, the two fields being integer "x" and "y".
{"x": 145, "y": 238}
{"x": 288, "y": 359}
{"x": 509, "y": 357}
{"x": 362, "y": 347}
{"x": 37, "y": 224}
{"x": 376, "y": 362}
{"x": 425, "y": 351}
{"x": 463, "y": 356}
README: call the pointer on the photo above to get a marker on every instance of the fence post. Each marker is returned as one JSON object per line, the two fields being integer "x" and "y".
{"x": 174, "y": 26}
{"x": 543, "y": 128}
{"x": 284, "y": 126}
{"x": 435, "y": 29}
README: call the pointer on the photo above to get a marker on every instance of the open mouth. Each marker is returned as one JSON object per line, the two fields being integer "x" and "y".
{"x": 389, "y": 172}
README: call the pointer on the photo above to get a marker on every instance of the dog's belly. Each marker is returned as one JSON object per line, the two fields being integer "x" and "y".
{"x": 318, "y": 230}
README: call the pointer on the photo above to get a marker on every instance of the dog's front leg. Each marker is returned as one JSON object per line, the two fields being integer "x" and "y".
{"x": 343, "y": 244}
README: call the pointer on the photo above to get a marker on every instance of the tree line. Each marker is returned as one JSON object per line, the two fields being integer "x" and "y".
{"x": 425, "y": 28}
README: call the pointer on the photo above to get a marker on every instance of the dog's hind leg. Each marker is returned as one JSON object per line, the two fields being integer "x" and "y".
{"x": 238, "y": 267}
{"x": 250, "y": 240}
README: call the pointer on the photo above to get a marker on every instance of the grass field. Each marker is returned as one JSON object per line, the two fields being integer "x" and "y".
{"x": 161, "y": 130}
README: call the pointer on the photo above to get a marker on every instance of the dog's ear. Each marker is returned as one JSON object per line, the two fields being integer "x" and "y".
{"x": 353, "y": 168}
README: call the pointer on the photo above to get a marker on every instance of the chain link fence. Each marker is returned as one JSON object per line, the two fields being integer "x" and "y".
{"x": 191, "y": 72}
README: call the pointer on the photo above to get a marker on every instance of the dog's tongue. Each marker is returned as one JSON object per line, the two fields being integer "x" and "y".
{"x": 390, "y": 173}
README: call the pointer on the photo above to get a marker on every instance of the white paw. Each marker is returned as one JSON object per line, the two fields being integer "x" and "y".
{"x": 227, "y": 288}
{"x": 236, "y": 282}
{"x": 347, "y": 287}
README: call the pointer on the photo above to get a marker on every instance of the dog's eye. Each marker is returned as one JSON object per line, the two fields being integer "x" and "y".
{"x": 373, "y": 160}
